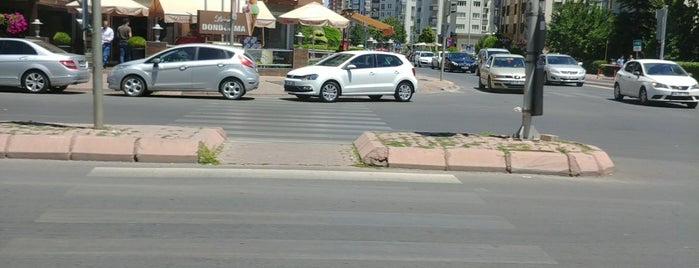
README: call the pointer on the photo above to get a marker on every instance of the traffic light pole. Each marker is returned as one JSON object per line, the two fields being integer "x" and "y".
{"x": 534, "y": 87}
{"x": 97, "y": 93}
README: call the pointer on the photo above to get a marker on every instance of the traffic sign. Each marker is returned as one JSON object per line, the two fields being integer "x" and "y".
{"x": 637, "y": 45}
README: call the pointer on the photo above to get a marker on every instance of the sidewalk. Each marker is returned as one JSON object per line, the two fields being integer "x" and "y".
{"x": 170, "y": 144}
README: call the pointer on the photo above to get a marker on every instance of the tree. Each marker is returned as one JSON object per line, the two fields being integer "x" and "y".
{"x": 635, "y": 21}
{"x": 486, "y": 41}
{"x": 426, "y": 35}
{"x": 682, "y": 31}
{"x": 399, "y": 34}
{"x": 580, "y": 30}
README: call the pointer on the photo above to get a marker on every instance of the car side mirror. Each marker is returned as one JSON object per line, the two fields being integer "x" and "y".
{"x": 579, "y": 63}
{"x": 637, "y": 73}
{"x": 350, "y": 67}
{"x": 155, "y": 61}
{"x": 486, "y": 66}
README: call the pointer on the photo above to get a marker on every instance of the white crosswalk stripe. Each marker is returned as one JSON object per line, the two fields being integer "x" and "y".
{"x": 277, "y": 119}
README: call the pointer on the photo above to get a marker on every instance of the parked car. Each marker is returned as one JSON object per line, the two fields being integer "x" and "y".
{"x": 205, "y": 67}
{"x": 503, "y": 71}
{"x": 436, "y": 60}
{"x": 656, "y": 81}
{"x": 562, "y": 69}
{"x": 424, "y": 58}
{"x": 485, "y": 53}
{"x": 458, "y": 62}
{"x": 354, "y": 73}
{"x": 38, "y": 66}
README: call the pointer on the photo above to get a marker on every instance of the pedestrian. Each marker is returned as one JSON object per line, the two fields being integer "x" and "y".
{"x": 107, "y": 37}
{"x": 630, "y": 56}
{"x": 620, "y": 60}
{"x": 124, "y": 33}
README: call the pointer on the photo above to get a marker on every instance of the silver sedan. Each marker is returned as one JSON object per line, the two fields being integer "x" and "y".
{"x": 200, "y": 67}
{"x": 37, "y": 66}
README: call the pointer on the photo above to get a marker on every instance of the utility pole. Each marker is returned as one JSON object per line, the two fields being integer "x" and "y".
{"x": 97, "y": 93}
{"x": 534, "y": 88}
{"x": 452, "y": 9}
{"x": 661, "y": 16}
{"x": 234, "y": 16}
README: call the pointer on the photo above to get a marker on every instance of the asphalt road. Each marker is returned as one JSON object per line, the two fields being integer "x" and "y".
{"x": 91, "y": 214}
{"x": 88, "y": 214}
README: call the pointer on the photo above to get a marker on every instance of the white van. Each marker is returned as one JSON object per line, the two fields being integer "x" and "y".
{"x": 484, "y": 53}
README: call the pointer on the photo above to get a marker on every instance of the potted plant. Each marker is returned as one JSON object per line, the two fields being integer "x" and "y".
{"x": 62, "y": 40}
{"x": 138, "y": 47}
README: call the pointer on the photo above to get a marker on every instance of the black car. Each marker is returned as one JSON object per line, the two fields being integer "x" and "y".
{"x": 459, "y": 62}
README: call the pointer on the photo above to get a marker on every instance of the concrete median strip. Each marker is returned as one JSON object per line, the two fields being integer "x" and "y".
{"x": 459, "y": 152}
{"x": 126, "y": 143}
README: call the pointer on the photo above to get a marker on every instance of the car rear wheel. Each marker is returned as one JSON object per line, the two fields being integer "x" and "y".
{"x": 617, "y": 93}
{"x": 404, "y": 92}
{"x": 546, "y": 79}
{"x": 643, "y": 96}
{"x": 375, "y": 97}
{"x": 35, "y": 82}
{"x": 579, "y": 84}
{"x": 133, "y": 86}
{"x": 490, "y": 83}
{"x": 330, "y": 91}
{"x": 232, "y": 89}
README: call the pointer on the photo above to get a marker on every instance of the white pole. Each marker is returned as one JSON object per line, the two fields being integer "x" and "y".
{"x": 662, "y": 34}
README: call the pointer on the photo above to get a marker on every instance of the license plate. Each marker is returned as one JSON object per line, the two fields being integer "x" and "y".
{"x": 680, "y": 93}
{"x": 288, "y": 83}
{"x": 517, "y": 83}
{"x": 464, "y": 67}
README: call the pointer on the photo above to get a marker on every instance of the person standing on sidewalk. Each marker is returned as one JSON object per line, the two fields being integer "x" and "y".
{"x": 124, "y": 33}
{"x": 107, "y": 37}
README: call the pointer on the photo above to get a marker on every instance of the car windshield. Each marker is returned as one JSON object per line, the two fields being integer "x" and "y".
{"x": 426, "y": 54}
{"x": 561, "y": 60}
{"x": 335, "y": 60}
{"x": 50, "y": 47}
{"x": 510, "y": 62}
{"x": 459, "y": 56}
{"x": 664, "y": 69}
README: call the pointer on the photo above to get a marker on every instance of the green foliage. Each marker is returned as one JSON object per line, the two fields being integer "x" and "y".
{"x": 426, "y": 35}
{"x": 333, "y": 35}
{"x": 399, "y": 34}
{"x": 580, "y": 30}
{"x": 691, "y": 67}
{"x": 137, "y": 42}
{"x": 682, "y": 31}
{"x": 487, "y": 41}
{"x": 453, "y": 49}
{"x": 61, "y": 38}
{"x": 208, "y": 156}
{"x": 324, "y": 37}
{"x": 593, "y": 67}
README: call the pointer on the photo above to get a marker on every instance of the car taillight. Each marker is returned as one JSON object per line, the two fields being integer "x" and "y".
{"x": 413, "y": 71}
{"x": 70, "y": 64}
{"x": 245, "y": 61}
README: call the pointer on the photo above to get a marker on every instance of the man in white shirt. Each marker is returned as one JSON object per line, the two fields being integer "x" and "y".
{"x": 107, "y": 37}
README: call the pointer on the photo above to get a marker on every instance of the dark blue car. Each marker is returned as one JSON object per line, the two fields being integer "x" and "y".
{"x": 459, "y": 62}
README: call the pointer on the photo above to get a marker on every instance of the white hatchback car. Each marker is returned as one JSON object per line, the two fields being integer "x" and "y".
{"x": 354, "y": 73}
{"x": 656, "y": 80}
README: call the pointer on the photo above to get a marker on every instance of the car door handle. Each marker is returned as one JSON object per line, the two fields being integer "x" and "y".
{"x": 183, "y": 68}
{"x": 396, "y": 72}
{"x": 372, "y": 73}
{"x": 220, "y": 65}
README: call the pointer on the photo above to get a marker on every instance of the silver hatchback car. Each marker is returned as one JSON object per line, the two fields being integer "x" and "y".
{"x": 38, "y": 66}
{"x": 200, "y": 67}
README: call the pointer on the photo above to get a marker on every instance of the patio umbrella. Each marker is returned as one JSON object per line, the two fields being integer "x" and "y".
{"x": 115, "y": 7}
{"x": 314, "y": 14}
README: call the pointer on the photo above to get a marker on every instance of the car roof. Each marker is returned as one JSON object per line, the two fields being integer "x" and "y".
{"x": 495, "y": 49}
{"x": 507, "y": 55}
{"x": 210, "y": 45}
{"x": 653, "y": 61}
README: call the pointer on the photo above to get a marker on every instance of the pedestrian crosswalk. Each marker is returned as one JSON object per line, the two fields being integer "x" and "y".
{"x": 284, "y": 120}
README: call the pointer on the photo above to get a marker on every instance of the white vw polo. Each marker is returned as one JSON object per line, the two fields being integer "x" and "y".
{"x": 354, "y": 73}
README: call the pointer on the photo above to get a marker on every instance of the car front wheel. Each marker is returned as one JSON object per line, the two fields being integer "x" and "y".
{"x": 692, "y": 105}
{"x": 617, "y": 93}
{"x": 404, "y": 92}
{"x": 329, "y": 91}
{"x": 133, "y": 86}
{"x": 35, "y": 82}
{"x": 643, "y": 96}
{"x": 232, "y": 89}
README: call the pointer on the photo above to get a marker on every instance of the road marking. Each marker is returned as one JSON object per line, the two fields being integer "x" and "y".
{"x": 304, "y": 218}
{"x": 272, "y": 174}
{"x": 275, "y": 249}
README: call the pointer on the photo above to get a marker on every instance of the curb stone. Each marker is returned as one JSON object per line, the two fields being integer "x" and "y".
{"x": 548, "y": 162}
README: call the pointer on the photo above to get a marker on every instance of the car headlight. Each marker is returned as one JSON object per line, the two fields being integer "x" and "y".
{"x": 695, "y": 86}
{"x": 659, "y": 85}
{"x": 309, "y": 77}
{"x": 455, "y": 63}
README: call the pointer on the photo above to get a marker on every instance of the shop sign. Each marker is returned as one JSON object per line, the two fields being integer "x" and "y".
{"x": 217, "y": 22}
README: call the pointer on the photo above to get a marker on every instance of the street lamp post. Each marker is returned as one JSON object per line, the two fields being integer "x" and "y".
{"x": 37, "y": 26}
{"x": 299, "y": 37}
{"x": 156, "y": 30}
